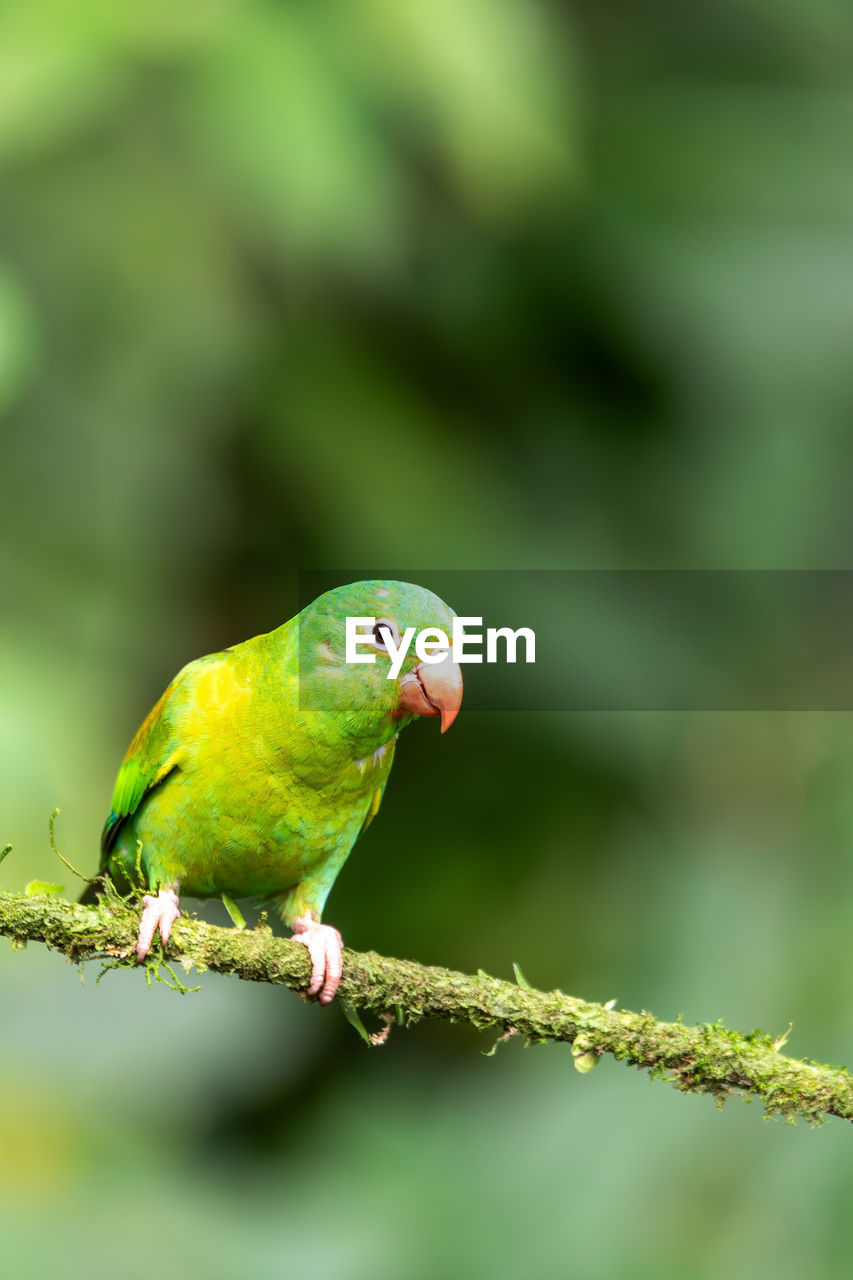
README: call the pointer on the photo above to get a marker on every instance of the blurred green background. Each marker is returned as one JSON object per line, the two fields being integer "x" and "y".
{"x": 458, "y": 285}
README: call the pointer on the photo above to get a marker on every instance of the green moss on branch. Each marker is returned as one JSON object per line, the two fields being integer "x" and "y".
{"x": 702, "y": 1059}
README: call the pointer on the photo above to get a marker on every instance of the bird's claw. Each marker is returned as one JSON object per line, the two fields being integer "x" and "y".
{"x": 158, "y": 913}
{"x": 325, "y": 947}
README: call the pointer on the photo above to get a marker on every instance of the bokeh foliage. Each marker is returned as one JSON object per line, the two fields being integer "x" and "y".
{"x": 458, "y": 285}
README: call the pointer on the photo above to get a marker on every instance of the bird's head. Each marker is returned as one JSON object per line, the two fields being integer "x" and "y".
{"x": 378, "y": 697}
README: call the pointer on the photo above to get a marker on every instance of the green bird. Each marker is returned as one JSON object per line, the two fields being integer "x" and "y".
{"x": 260, "y": 766}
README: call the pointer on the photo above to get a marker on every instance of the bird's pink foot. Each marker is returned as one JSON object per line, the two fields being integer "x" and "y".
{"x": 325, "y": 947}
{"x": 159, "y": 913}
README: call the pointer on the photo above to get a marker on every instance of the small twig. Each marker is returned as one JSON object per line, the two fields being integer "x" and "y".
{"x": 378, "y": 1038}
{"x": 69, "y": 865}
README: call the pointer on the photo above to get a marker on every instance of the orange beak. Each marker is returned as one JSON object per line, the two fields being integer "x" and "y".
{"x": 433, "y": 689}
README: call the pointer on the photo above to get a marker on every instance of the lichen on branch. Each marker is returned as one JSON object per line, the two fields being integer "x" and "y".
{"x": 696, "y": 1059}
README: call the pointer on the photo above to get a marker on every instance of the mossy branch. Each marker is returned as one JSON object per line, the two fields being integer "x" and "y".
{"x": 703, "y": 1059}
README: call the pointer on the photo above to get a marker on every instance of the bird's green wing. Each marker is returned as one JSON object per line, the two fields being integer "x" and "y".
{"x": 152, "y": 755}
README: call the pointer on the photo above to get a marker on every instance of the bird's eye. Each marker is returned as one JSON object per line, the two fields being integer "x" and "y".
{"x": 381, "y": 631}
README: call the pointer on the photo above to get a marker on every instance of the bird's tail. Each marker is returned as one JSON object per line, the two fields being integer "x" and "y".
{"x": 93, "y": 891}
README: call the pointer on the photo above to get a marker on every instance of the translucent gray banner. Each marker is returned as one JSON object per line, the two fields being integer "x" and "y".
{"x": 638, "y": 640}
